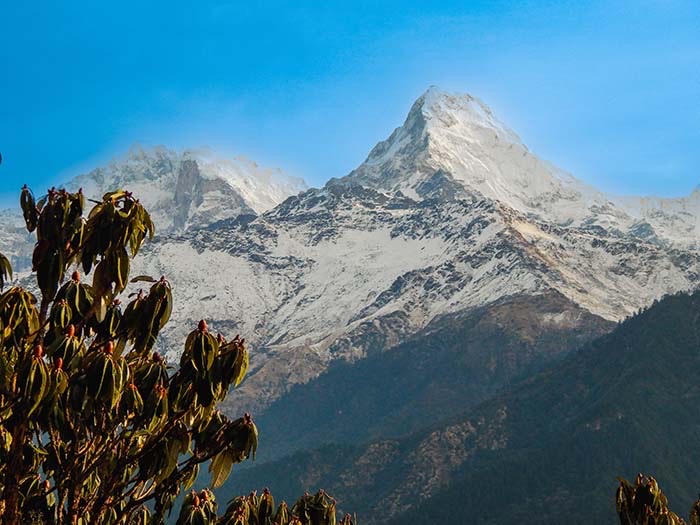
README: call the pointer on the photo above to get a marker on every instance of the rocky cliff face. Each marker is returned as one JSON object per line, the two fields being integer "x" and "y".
{"x": 457, "y": 361}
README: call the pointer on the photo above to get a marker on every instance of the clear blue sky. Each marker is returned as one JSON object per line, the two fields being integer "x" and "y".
{"x": 608, "y": 90}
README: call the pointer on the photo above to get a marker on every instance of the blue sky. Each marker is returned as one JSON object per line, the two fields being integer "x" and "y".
{"x": 607, "y": 90}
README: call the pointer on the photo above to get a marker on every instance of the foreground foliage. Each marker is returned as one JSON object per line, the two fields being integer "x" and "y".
{"x": 644, "y": 503}
{"x": 318, "y": 509}
{"x": 96, "y": 427}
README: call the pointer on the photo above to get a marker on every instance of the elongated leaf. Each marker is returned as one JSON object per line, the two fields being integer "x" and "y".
{"x": 220, "y": 468}
{"x": 241, "y": 366}
{"x": 5, "y": 270}
{"x": 122, "y": 273}
{"x": 101, "y": 310}
{"x": 97, "y": 377}
{"x": 143, "y": 278}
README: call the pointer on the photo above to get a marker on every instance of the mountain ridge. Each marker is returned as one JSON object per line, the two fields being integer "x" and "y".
{"x": 182, "y": 190}
{"x": 195, "y": 187}
{"x": 455, "y": 362}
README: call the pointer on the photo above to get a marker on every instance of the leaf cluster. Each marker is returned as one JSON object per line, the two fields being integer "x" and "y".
{"x": 95, "y": 427}
{"x": 254, "y": 509}
{"x": 644, "y": 503}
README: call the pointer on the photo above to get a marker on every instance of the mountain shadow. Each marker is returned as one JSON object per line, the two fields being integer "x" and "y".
{"x": 546, "y": 452}
{"x": 456, "y": 362}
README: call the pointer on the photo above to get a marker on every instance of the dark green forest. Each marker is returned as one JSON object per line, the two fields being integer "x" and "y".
{"x": 626, "y": 402}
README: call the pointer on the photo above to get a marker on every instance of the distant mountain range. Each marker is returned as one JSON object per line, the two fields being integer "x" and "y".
{"x": 182, "y": 191}
{"x": 193, "y": 189}
{"x": 448, "y": 267}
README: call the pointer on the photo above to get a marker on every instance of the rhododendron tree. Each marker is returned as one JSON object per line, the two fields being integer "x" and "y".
{"x": 95, "y": 427}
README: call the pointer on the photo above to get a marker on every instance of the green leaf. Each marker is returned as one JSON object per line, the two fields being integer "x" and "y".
{"x": 143, "y": 278}
{"x": 241, "y": 365}
{"x": 253, "y": 443}
{"x": 98, "y": 375}
{"x": 5, "y": 270}
{"x": 60, "y": 380}
{"x": 5, "y": 439}
{"x": 101, "y": 310}
{"x": 220, "y": 468}
{"x": 122, "y": 273}
{"x": 29, "y": 208}
{"x": 37, "y": 384}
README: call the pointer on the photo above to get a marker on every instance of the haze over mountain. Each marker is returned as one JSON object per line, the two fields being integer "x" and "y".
{"x": 192, "y": 189}
{"x": 182, "y": 191}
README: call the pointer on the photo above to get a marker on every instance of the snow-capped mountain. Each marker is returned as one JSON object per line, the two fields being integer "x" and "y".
{"x": 452, "y": 212}
{"x": 182, "y": 191}
{"x": 191, "y": 189}
{"x": 453, "y": 144}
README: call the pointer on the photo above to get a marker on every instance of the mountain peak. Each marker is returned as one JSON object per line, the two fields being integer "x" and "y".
{"x": 443, "y": 110}
{"x": 452, "y": 144}
{"x": 436, "y": 93}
